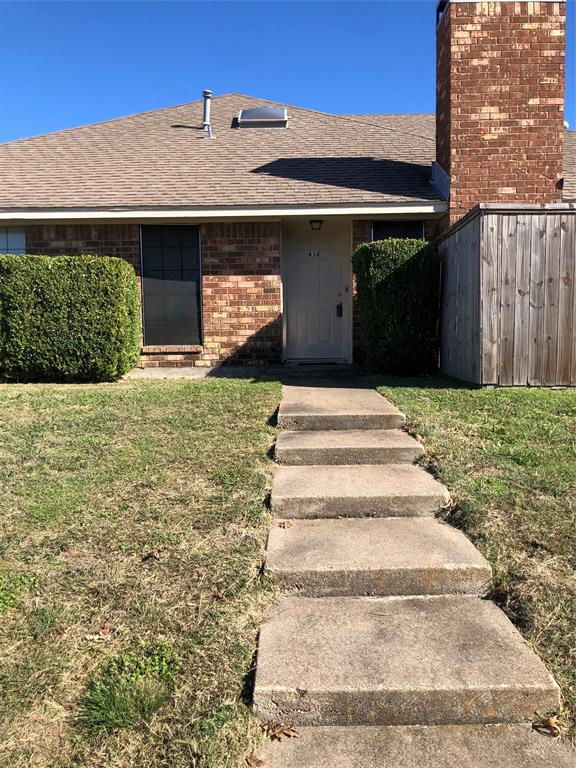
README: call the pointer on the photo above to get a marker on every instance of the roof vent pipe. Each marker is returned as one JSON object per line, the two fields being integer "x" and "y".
{"x": 206, "y": 117}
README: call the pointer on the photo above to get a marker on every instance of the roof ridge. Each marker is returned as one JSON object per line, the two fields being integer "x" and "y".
{"x": 347, "y": 117}
{"x": 154, "y": 111}
{"x": 386, "y": 128}
{"x": 355, "y": 116}
{"x": 387, "y": 114}
{"x": 328, "y": 115}
{"x": 332, "y": 115}
{"x": 114, "y": 119}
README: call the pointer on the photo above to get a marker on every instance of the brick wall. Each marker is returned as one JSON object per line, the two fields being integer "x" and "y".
{"x": 444, "y": 91}
{"x": 99, "y": 239}
{"x": 241, "y": 292}
{"x": 500, "y": 102}
{"x": 240, "y": 285}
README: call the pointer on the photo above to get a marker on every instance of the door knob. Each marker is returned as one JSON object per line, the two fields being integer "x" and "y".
{"x": 339, "y": 309}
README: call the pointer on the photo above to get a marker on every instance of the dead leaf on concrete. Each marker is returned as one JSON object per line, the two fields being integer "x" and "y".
{"x": 285, "y": 524}
{"x": 254, "y": 762}
{"x": 279, "y": 731}
{"x": 550, "y": 725}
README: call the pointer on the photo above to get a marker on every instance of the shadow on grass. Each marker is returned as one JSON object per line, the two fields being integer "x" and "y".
{"x": 248, "y": 682}
{"x": 438, "y": 381}
{"x": 520, "y": 608}
{"x": 272, "y": 420}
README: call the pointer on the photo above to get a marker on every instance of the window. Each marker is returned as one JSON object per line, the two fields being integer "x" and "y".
{"x": 171, "y": 285}
{"x": 12, "y": 240}
{"x": 263, "y": 117}
{"x": 397, "y": 228}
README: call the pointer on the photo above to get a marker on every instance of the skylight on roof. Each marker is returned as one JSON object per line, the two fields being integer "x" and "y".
{"x": 263, "y": 117}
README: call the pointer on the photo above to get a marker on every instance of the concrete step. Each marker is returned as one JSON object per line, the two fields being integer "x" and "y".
{"x": 397, "y": 661}
{"x": 350, "y": 446}
{"x": 297, "y": 370}
{"x": 447, "y": 746}
{"x": 375, "y": 556}
{"x": 360, "y": 490}
{"x": 325, "y": 404}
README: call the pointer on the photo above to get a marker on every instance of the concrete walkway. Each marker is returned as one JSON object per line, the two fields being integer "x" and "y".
{"x": 383, "y": 653}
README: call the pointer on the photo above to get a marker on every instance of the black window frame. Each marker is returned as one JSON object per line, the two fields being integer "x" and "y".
{"x": 421, "y": 222}
{"x": 199, "y": 294}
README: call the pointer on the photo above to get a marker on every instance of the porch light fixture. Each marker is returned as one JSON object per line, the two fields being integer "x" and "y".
{"x": 316, "y": 224}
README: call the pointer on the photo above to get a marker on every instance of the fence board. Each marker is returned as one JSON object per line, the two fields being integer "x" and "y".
{"x": 551, "y": 280}
{"x": 474, "y": 299}
{"x": 509, "y": 296}
{"x": 489, "y": 299}
{"x": 537, "y": 269}
{"x": 566, "y": 308}
{"x": 522, "y": 301}
{"x": 508, "y": 247}
{"x": 569, "y": 254}
{"x": 459, "y": 344}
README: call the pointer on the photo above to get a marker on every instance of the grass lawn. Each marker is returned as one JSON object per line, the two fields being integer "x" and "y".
{"x": 509, "y": 459}
{"x": 132, "y": 533}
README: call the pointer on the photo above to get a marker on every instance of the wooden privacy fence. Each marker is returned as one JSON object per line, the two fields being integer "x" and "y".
{"x": 508, "y": 296}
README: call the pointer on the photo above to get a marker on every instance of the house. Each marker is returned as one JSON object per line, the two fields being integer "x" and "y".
{"x": 240, "y": 215}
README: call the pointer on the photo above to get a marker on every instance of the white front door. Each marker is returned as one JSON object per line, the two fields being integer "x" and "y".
{"x": 316, "y": 281}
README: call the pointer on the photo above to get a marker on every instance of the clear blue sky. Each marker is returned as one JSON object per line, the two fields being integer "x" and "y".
{"x": 70, "y": 63}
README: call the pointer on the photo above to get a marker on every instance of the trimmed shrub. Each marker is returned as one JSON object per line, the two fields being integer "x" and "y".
{"x": 67, "y": 318}
{"x": 398, "y": 298}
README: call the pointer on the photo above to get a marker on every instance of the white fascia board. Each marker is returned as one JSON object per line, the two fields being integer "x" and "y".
{"x": 50, "y": 214}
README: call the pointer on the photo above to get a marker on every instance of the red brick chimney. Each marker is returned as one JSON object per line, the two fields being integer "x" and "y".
{"x": 500, "y": 101}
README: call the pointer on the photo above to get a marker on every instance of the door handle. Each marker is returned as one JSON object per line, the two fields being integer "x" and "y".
{"x": 339, "y": 309}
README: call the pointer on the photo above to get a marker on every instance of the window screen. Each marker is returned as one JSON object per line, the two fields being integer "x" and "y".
{"x": 171, "y": 284}
{"x": 12, "y": 240}
{"x": 383, "y": 229}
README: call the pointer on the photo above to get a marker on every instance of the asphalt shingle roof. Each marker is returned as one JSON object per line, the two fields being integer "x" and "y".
{"x": 161, "y": 159}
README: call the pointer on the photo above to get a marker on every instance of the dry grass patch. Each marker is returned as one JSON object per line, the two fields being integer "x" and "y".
{"x": 509, "y": 459}
{"x": 133, "y": 532}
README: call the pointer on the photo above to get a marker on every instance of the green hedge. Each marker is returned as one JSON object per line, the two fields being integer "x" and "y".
{"x": 67, "y": 318}
{"x": 398, "y": 296}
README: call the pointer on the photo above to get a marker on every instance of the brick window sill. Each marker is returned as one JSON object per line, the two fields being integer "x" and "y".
{"x": 172, "y": 349}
